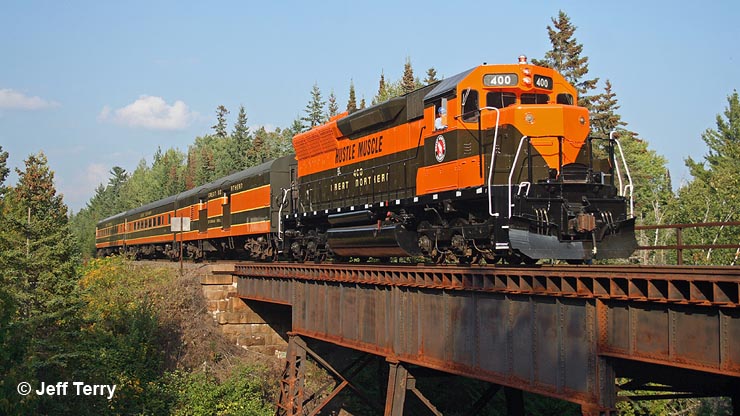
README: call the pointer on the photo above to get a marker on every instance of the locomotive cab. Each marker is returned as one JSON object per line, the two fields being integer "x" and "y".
{"x": 552, "y": 188}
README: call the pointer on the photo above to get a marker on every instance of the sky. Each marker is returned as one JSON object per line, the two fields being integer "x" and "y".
{"x": 96, "y": 84}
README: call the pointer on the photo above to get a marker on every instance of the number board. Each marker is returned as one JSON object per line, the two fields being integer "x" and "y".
{"x": 500, "y": 80}
{"x": 541, "y": 81}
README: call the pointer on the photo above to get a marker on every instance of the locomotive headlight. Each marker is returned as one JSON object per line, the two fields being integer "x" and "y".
{"x": 529, "y": 118}
{"x": 582, "y": 120}
{"x": 526, "y": 71}
{"x": 527, "y": 80}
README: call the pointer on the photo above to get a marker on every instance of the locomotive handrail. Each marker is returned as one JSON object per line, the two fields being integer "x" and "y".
{"x": 632, "y": 208}
{"x": 513, "y": 166}
{"x": 493, "y": 157}
{"x": 280, "y": 215}
{"x": 629, "y": 186}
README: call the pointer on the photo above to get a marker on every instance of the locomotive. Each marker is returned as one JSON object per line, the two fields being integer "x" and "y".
{"x": 493, "y": 163}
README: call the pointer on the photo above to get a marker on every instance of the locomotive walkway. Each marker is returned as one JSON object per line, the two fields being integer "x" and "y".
{"x": 561, "y": 331}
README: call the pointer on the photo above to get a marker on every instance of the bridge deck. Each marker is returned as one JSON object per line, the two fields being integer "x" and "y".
{"x": 561, "y": 331}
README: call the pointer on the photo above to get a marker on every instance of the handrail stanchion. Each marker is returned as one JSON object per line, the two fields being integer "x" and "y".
{"x": 626, "y": 173}
{"x": 513, "y": 166}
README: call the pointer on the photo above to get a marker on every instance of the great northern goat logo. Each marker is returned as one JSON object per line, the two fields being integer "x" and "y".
{"x": 440, "y": 148}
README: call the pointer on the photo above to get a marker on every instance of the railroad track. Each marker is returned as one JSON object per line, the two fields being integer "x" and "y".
{"x": 696, "y": 285}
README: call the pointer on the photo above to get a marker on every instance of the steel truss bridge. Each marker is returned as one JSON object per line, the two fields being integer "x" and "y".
{"x": 566, "y": 332}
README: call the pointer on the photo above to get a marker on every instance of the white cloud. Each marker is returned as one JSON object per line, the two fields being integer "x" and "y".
{"x": 14, "y": 100}
{"x": 95, "y": 174}
{"x": 151, "y": 113}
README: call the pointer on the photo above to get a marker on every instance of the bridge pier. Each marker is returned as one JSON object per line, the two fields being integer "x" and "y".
{"x": 257, "y": 326}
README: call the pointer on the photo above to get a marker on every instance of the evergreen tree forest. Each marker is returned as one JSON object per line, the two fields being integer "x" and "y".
{"x": 54, "y": 327}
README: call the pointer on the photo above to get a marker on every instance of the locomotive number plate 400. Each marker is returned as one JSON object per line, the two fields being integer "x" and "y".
{"x": 500, "y": 80}
{"x": 542, "y": 81}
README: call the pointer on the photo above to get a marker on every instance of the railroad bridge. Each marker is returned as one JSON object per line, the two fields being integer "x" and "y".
{"x": 561, "y": 331}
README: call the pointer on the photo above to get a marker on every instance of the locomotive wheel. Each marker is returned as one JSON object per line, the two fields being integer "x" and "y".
{"x": 463, "y": 253}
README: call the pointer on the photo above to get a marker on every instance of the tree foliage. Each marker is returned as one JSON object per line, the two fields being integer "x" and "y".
{"x": 712, "y": 195}
{"x": 314, "y": 109}
{"x": 220, "y": 127}
{"x": 332, "y": 107}
{"x": 241, "y": 140}
{"x": 431, "y": 76}
{"x": 352, "y": 100}
{"x": 565, "y": 57}
{"x": 408, "y": 83}
{"x": 4, "y": 171}
{"x": 39, "y": 261}
{"x": 604, "y": 115}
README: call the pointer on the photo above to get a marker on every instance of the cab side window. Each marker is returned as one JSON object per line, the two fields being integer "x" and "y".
{"x": 470, "y": 106}
{"x": 440, "y": 118}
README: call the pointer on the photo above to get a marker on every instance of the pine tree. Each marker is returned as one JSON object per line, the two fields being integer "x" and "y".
{"x": 220, "y": 127}
{"x": 719, "y": 170}
{"x": 352, "y": 101}
{"x": 388, "y": 90}
{"x": 297, "y": 126}
{"x": 565, "y": 57}
{"x": 314, "y": 109}
{"x": 140, "y": 188}
{"x": 604, "y": 116}
{"x": 5, "y": 300}
{"x": 381, "y": 86}
{"x": 333, "y": 107}
{"x": 201, "y": 166}
{"x": 724, "y": 146}
{"x": 712, "y": 194}
{"x": 431, "y": 76}
{"x": 111, "y": 203}
{"x": 4, "y": 171}
{"x": 241, "y": 139}
{"x": 43, "y": 262}
{"x": 168, "y": 174}
{"x": 12, "y": 342}
{"x": 258, "y": 151}
{"x": 408, "y": 83}
{"x": 206, "y": 171}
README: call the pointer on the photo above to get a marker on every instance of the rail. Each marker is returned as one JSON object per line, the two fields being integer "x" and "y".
{"x": 680, "y": 246}
{"x": 696, "y": 285}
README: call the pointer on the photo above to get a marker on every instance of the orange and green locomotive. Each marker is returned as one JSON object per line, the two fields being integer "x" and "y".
{"x": 493, "y": 163}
